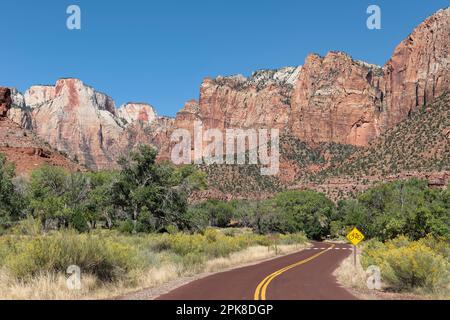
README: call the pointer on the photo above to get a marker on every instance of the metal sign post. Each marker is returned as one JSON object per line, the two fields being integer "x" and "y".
{"x": 355, "y": 236}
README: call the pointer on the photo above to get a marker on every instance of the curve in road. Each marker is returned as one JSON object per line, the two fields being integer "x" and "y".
{"x": 305, "y": 275}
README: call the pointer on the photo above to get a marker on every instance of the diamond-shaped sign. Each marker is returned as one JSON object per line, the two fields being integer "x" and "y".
{"x": 355, "y": 236}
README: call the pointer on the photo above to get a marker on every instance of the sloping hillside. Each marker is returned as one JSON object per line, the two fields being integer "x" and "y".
{"x": 420, "y": 143}
{"x": 28, "y": 151}
{"x": 417, "y": 147}
{"x": 22, "y": 146}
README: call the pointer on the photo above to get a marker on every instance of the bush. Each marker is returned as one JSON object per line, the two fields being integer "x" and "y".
{"x": 111, "y": 255}
{"x": 28, "y": 227}
{"x": 26, "y": 257}
{"x": 408, "y": 265}
{"x": 293, "y": 238}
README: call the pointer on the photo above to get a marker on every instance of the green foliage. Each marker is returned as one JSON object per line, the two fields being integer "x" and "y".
{"x": 407, "y": 265}
{"x": 28, "y": 227}
{"x": 111, "y": 255}
{"x": 219, "y": 213}
{"x": 142, "y": 197}
{"x": 400, "y": 207}
{"x": 295, "y": 211}
{"x": 28, "y": 256}
{"x": 223, "y": 214}
{"x": 58, "y": 198}
{"x": 99, "y": 203}
{"x": 293, "y": 238}
{"x": 11, "y": 202}
{"x": 154, "y": 196}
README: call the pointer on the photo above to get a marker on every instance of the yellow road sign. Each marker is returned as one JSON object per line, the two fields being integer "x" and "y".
{"x": 355, "y": 236}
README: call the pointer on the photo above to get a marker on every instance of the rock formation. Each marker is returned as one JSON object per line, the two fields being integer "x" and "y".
{"x": 336, "y": 99}
{"x": 260, "y": 101}
{"x": 332, "y": 98}
{"x": 85, "y": 124}
{"x": 5, "y": 101}
{"x": 76, "y": 119}
{"x": 137, "y": 112}
{"x": 22, "y": 146}
{"x": 419, "y": 69}
{"x": 329, "y": 99}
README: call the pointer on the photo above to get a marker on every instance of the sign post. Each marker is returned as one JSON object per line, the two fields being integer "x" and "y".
{"x": 355, "y": 236}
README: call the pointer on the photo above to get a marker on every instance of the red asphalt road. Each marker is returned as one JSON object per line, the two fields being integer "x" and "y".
{"x": 312, "y": 280}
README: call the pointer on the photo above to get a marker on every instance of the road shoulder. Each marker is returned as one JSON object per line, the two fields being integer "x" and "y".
{"x": 157, "y": 291}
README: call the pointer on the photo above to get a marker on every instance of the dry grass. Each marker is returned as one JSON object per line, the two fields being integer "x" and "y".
{"x": 53, "y": 286}
{"x": 351, "y": 276}
{"x": 354, "y": 279}
{"x": 43, "y": 287}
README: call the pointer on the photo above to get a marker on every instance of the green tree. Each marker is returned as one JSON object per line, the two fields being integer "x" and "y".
{"x": 353, "y": 214}
{"x": 58, "y": 198}
{"x": 12, "y": 203}
{"x": 153, "y": 196}
{"x": 99, "y": 201}
{"x": 295, "y": 211}
{"x": 408, "y": 208}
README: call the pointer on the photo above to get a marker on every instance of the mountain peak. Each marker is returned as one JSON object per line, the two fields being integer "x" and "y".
{"x": 137, "y": 112}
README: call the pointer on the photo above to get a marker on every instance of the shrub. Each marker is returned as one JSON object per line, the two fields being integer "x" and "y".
{"x": 407, "y": 265}
{"x": 106, "y": 259}
{"x": 28, "y": 227}
{"x": 438, "y": 244}
{"x": 211, "y": 234}
{"x": 293, "y": 238}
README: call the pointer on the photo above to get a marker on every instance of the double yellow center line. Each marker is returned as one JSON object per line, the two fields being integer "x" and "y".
{"x": 261, "y": 289}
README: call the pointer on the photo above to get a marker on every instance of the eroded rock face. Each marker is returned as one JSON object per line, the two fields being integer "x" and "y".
{"x": 5, "y": 101}
{"x": 37, "y": 95}
{"x": 336, "y": 99}
{"x": 76, "y": 119}
{"x": 19, "y": 113}
{"x": 85, "y": 124}
{"x": 17, "y": 99}
{"x": 157, "y": 134}
{"x": 137, "y": 112}
{"x": 330, "y": 99}
{"x": 28, "y": 151}
{"x": 340, "y": 100}
{"x": 419, "y": 69}
{"x": 262, "y": 100}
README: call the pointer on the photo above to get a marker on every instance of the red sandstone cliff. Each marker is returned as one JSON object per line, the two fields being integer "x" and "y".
{"x": 330, "y": 99}
{"x": 22, "y": 147}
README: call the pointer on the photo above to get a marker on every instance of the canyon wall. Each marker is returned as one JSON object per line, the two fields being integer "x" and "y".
{"x": 329, "y": 99}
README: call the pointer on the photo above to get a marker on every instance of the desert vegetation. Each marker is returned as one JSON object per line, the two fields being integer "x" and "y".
{"x": 409, "y": 269}
{"x": 113, "y": 263}
{"x": 135, "y": 228}
{"x": 418, "y": 143}
{"x": 408, "y": 265}
{"x": 125, "y": 229}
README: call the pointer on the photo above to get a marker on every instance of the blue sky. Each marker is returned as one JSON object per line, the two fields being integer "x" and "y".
{"x": 159, "y": 51}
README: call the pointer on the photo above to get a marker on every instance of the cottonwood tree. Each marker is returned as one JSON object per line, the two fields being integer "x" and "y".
{"x": 99, "y": 203}
{"x": 153, "y": 196}
{"x": 58, "y": 198}
{"x": 11, "y": 202}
